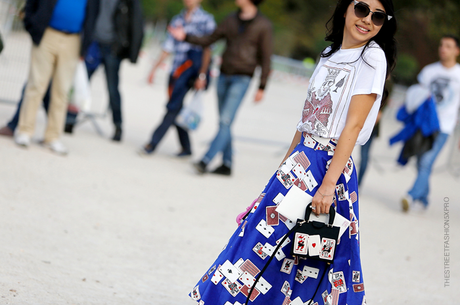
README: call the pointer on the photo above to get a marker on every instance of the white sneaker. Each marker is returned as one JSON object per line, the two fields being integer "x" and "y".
{"x": 406, "y": 203}
{"x": 22, "y": 139}
{"x": 57, "y": 147}
{"x": 418, "y": 207}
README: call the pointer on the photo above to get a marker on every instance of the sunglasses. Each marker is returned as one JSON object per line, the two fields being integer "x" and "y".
{"x": 362, "y": 11}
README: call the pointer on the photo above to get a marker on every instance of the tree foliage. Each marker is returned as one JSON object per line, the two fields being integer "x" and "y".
{"x": 299, "y": 25}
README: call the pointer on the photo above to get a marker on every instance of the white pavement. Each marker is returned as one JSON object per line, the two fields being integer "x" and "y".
{"x": 105, "y": 226}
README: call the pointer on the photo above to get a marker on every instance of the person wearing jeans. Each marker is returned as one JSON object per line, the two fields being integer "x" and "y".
{"x": 190, "y": 69}
{"x": 230, "y": 92}
{"x": 443, "y": 80}
{"x": 248, "y": 36}
{"x": 421, "y": 187}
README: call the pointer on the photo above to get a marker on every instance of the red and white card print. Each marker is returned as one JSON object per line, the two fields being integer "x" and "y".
{"x": 249, "y": 267}
{"x": 300, "y": 244}
{"x": 338, "y": 282}
{"x": 302, "y": 159}
{"x": 259, "y": 250}
{"x": 232, "y": 288}
{"x": 358, "y": 287}
{"x": 327, "y": 249}
{"x": 287, "y": 266}
{"x": 196, "y": 293}
{"x": 247, "y": 279}
{"x": 273, "y": 218}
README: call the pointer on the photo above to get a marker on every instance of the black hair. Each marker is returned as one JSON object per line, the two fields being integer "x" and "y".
{"x": 257, "y": 2}
{"x": 455, "y": 38}
{"x": 385, "y": 38}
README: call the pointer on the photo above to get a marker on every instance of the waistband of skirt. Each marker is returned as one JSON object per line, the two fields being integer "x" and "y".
{"x": 319, "y": 143}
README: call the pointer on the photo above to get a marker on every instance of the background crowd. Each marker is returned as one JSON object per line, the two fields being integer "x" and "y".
{"x": 422, "y": 26}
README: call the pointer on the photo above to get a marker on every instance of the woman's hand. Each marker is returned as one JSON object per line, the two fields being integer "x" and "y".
{"x": 323, "y": 199}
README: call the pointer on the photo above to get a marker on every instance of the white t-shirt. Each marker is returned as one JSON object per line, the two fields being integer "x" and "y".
{"x": 444, "y": 84}
{"x": 334, "y": 82}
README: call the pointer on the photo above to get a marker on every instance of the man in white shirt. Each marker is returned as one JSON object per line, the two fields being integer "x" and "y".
{"x": 443, "y": 80}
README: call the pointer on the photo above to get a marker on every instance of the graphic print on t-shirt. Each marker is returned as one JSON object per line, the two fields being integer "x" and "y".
{"x": 442, "y": 91}
{"x": 321, "y": 98}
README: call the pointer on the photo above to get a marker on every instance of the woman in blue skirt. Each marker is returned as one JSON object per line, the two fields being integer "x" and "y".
{"x": 343, "y": 100}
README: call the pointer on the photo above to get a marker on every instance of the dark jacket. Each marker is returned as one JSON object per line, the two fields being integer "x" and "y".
{"x": 129, "y": 29}
{"x": 249, "y": 44}
{"x": 38, "y": 15}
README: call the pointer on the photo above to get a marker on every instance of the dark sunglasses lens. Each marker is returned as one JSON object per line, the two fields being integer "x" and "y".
{"x": 378, "y": 18}
{"x": 361, "y": 10}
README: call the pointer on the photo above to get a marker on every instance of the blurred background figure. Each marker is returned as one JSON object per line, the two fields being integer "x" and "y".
{"x": 248, "y": 37}
{"x": 118, "y": 35}
{"x": 55, "y": 28}
{"x": 190, "y": 69}
{"x": 443, "y": 81}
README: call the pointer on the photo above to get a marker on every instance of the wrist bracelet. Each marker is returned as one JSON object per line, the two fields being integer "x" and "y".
{"x": 325, "y": 195}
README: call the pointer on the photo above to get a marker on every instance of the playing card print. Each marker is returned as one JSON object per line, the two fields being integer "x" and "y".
{"x": 278, "y": 198}
{"x": 232, "y": 288}
{"x": 247, "y": 279}
{"x": 286, "y": 179}
{"x": 196, "y": 293}
{"x": 263, "y": 286}
{"x": 314, "y": 245}
{"x": 300, "y": 277}
{"x": 327, "y": 249}
{"x": 229, "y": 271}
{"x": 286, "y": 289}
{"x": 356, "y": 277}
{"x": 302, "y": 160}
{"x": 273, "y": 218}
{"x": 217, "y": 277}
{"x": 340, "y": 189}
{"x": 310, "y": 272}
{"x": 268, "y": 249}
{"x": 287, "y": 265}
{"x": 249, "y": 267}
{"x": 265, "y": 229}
{"x": 205, "y": 278}
{"x": 258, "y": 249}
{"x": 358, "y": 287}
{"x": 245, "y": 291}
{"x": 338, "y": 282}
{"x": 300, "y": 244}
{"x": 310, "y": 181}
{"x": 300, "y": 184}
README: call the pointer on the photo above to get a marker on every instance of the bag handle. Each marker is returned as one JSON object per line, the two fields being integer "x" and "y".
{"x": 331, "y": 214}
{"x": 273, "y": 255}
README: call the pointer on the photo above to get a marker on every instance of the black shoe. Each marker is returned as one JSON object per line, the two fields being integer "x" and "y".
{"x": 222, "y": 170}
{"x": 117, "y": 136}
{"x": 68, "y": 128}
{"x": 200, "y": 167}
{"x": 184, "y": 154}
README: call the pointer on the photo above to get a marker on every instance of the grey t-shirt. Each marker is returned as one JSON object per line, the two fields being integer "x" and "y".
{"x": 105, "y": 32}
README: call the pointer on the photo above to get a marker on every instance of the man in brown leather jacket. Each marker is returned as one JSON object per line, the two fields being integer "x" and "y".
{"x": 248, "y": 36}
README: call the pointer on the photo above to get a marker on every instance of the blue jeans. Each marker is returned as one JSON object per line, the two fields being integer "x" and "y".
{"x": 364, "y": 158}
{"x": 111, "y": 66}
{"x": 425, "y": 163}
{"x": 180, "y": 86}
{"x": 230, "y": 92}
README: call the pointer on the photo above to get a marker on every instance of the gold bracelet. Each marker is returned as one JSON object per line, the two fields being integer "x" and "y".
{"x": 325, "y": 195}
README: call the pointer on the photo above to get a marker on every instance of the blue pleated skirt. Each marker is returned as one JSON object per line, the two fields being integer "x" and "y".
{"x": 289, "y": 280}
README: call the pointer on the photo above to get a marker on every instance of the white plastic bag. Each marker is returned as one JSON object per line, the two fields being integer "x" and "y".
{"x": 190, "y": 116}
{"x": 81, "y": 91}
